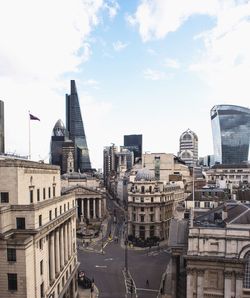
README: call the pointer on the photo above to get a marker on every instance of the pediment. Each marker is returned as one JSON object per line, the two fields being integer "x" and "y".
{"x": 83, "y": 190}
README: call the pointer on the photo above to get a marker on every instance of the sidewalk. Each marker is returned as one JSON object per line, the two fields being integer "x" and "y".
{"x": 86, "y": 293}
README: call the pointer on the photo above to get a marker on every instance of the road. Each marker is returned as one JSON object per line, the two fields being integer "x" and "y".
{"x": 107, "y": 269}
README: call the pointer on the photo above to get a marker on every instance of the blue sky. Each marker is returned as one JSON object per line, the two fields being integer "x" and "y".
{"x": 154, "y": 67}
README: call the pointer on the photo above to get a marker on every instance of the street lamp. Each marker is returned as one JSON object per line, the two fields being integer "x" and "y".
{"x": 126, "y": 240}
{"x": 102, "y": 239}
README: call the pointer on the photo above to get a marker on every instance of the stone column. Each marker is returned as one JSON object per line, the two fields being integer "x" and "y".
{"x": 190, "y": 282}
{"x": 239, "y": 284}
{"x": 61, "y": 247}
{"x": 88, "y": 209}
{"x": 57, "y": 252}
{"x": 94, "y": 208}
{"x": 82, "y": 209}
{"x": 65, "y": 242}
{"x": 227, "y": 284}
{"x": 51, "y": 257}
{"x": 100, "y": 208}
{"x": 200, "y": 283}
{"x": 70, "y": 238}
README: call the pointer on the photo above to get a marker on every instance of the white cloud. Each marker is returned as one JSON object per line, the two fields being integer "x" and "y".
{"x": 41, "y": 43}
{"x": 172, "y": 63}
{"x": 92, "y": 83}
{"x": 225, "y": 63}
{"x": 155, "y": 75}
{"x": 112, "y": 7}
{"x": 152, "y": 52}
{"x": 156, "y": 18}
{"x": 119, "y": 46}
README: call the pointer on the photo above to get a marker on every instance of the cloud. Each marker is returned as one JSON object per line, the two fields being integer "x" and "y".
{"x": 119, "y": 46}
{"x": 42, "y": 44}
{"x": 156, "y": 18}
{"x": 152, "y": 52}
{"x": 172, "y": 63}
{"x": 112, "y": 7}
{"x": 225, "y": 63}
{"x": 155, "y": 75}
{"x": 91, "y": 83}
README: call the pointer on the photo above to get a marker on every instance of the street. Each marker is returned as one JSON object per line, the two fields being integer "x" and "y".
{"x": 107, "y": 268}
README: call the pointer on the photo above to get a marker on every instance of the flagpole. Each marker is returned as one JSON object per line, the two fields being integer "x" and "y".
{"x": 29, "y": 139}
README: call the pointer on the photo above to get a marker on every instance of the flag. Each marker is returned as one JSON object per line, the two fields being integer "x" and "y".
{"x": 32, "y": 117}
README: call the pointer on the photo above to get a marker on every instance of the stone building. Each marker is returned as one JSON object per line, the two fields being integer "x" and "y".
{"x": 38, "y": 256}
{"x": 150, "y": 206}
{"x": 218, "y": 256}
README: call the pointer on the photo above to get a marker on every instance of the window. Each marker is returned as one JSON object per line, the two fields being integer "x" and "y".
{"x": 31, "y": 196}
{"x": 60, "y": 209}
{"x": 64, "y": 207}
{"x": 44, "y": 193}
{"x": 41, "y": 267}
{"x": 20, "y": 223}
{"x": 54, "y": 191}
{"x": 41, "y": 243}
{"x": 246, "y": 281}
{"x": 68, "y": 205}
{"x": 50, "y": 215}
{"x": 142, "y": 209}
{"x": 38, "y": 194}
{"x": 58, "y": 289}
{"x": 40, "y": 220}
{"x": 196, "y": 204}
{"x": 12, "y": 281}
{"x": 152, "y": 200}
{"x": 151, "y": 217}
{"x": 11, "y": 254}
{"x": 151, "y": 209}
{"x": 63, "y": 281}
{"x": 55, "y": 212}
{"x": 207, "y": 204}
{"x": 142, "y": 189}
{"x": 67, "y": 275}
{"x": 42, "y": 290}
{"x": 142, "y": 200}
{"x": 142, "y": 218}
{"x": 49, "y": 192}
{"x": 73, "y": 203}
{"x": 4, "y": 197}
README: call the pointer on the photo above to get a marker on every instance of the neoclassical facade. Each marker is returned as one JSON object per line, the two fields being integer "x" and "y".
{"x": 91, "y": 203}
{"x": 38, "y": 256}
{"x": 218, "y": 257}
{"x": 150, "y": 206}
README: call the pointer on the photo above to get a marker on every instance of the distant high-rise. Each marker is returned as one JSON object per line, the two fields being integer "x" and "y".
{"x": 189, "y": 147}
{"x": 74, "y": 126}
{"x": 109, "y": 161}
{"x": 2, "y": 127}
{"x": 57, "y": 140}
{"x": 134, "y": 143}
{"x": 231, "y": 133}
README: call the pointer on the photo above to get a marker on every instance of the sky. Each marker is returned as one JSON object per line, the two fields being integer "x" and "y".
{"x": 151, "y": 67}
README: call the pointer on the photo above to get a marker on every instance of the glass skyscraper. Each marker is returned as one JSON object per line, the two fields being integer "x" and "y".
{"x": 231, "y": 133}
{"x": 74, "y": 126}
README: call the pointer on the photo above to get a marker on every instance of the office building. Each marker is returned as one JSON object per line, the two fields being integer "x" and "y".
{"x": 231, "y": 133}
{"x": 75, "y": 128}
{"x": 134, "y": 143}
{"x": 38, "y": 256}
{"x": 2, "y": 149}
{"x": 189, "y": 148}
{"x": 109, "y": 162}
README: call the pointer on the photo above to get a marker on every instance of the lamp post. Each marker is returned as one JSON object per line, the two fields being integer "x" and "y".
{"x": 126, "y": 240}
{"x": 102, "y": 239}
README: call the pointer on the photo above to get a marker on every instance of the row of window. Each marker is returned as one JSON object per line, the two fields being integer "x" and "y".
{"x": 43, "y": 193}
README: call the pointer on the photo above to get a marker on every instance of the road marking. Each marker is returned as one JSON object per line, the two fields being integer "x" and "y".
{"x": 100, "y": 266}
{"x": 109, "y": 259}
{"x": 149, "y": 290}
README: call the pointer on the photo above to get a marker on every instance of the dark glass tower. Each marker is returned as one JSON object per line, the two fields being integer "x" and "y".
{"x": 74, "y": 126}
{"x": 231, "y": 133}
{"x": 134, "y": 143}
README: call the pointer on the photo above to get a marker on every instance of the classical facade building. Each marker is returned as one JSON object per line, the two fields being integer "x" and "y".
{"x": 189, "y": 148}
{"x": 38, "y": 256}
{"x": 231, "y": 133}
{"x": 218, "y": 256}
{"x": 150, "y": 206}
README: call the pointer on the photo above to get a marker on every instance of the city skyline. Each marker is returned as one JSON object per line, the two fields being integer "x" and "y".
{"x": 142, "y": 67}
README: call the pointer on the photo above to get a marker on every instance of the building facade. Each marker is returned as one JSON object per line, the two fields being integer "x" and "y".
{"x": 189, "y": 148}
{"x": 134, "y": 144}
{"x": 2, "y": 147}
{"x": 150, "y": 206}
{"x": 38, "y": 256}
{"x": 231, "y": 133}
{"x": 109, "y": 162}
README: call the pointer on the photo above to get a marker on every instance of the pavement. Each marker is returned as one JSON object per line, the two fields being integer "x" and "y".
{"x": 86, "y": 293}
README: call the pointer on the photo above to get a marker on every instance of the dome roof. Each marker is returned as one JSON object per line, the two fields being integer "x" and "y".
{"x": 59, "y": 129}
{"x": 144, "y": 175}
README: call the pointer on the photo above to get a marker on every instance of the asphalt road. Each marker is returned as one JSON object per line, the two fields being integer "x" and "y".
{"x": 107, "y": 269}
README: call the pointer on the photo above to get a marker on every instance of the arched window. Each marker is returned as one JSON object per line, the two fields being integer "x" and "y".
{"x": 187, "y": 137}
{"x": 246, "y": 281}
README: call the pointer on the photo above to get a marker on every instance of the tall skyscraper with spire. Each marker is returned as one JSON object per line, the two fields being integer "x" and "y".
{"x": 75, "y": 128}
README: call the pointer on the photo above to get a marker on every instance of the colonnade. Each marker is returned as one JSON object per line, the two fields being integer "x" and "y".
{"x": 60, "y": 248}
{"x": 90, "y": 208}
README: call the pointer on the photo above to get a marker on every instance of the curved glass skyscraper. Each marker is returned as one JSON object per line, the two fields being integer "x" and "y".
{"x": 231, "y": 133}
